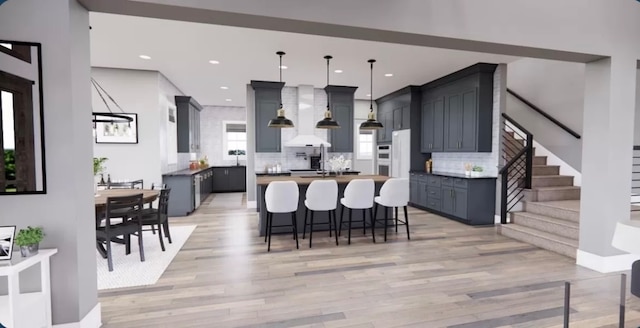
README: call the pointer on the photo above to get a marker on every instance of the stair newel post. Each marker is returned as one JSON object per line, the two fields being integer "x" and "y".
{"x": 504, "y": 198}
{"x": 529, "y": 161}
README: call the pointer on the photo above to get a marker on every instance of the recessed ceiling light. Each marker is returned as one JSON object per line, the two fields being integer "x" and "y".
{"x": 228, "y": 99}
{"x": 283, "y": 67}
{"x": 144, "y": 57}
{"x": 224, "y": 88}
{"x": 368, "y": 95}
{"x": 214, "y": 62}
{"x": 388, "y": 75}
{"x": 338, "y": 71}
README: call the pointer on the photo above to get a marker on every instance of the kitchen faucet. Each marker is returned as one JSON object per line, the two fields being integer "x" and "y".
{"x": 322, "y": 159}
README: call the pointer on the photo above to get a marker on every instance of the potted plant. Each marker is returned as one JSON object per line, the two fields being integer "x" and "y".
{"x": 476, "y": 171}
{"x": 29, "y": 240}
{"x": 98, "y": 168}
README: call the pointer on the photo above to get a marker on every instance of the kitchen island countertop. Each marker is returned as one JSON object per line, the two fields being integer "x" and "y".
{"x": 302, "y": 180}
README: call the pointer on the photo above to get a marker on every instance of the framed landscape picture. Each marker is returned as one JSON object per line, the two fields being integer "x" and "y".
{"x": 118, "y": 133}
{"x": 6, "y": 242}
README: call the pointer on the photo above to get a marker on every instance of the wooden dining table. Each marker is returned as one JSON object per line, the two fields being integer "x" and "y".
{"x": 148, "y": 196}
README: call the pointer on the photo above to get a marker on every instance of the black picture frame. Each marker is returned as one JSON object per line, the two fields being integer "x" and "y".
{"x": 106, "y": 133}
{"x": 40, "y": 111}
{"x": 7, "y": 237}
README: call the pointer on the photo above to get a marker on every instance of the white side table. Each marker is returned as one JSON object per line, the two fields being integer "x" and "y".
{"x": 18, "y": 310}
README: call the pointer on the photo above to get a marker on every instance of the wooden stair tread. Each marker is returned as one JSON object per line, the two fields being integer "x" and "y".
{"x": 558, "y": 221}
{"x": 556, "y": 188}
{"x": 568, "y": 205}
{"x": 541, "y": 234}
{"x": 551, "y": 176}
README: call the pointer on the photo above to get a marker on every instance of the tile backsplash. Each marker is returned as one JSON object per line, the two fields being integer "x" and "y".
{"x": 454, "y": 162}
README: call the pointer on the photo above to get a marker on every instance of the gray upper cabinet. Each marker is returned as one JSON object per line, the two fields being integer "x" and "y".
{"x": 188, "y": 124}
{"x": 402, "y": 110}
{"x": 459, "y": 107}
{"x": 432, "y": 126}
{"x": 267, "y": 101}
{"x": 341, "y": 102}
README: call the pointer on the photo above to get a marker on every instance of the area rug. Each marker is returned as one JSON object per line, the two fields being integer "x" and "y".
{"x": 128, "y": 271}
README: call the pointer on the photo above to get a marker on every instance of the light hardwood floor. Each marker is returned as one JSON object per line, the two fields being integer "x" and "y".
{"x": 448, "y": 275}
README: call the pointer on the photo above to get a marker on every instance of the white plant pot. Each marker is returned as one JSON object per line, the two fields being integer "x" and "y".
{"x": 475, "y": 174}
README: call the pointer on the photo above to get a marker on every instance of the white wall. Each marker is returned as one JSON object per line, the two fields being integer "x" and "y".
{"x": 136, "y": 92}
{"x": 211, "y": 131}
{"x": 168, "y": 130}
{"x": 66, "y": 212}
{"x": 601, "y": 27}
{"x": 558, "y": 89}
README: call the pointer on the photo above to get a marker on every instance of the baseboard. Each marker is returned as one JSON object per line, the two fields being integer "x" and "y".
{"x": 93, "y": 319}
{"x": 252, "y": 204}
{"x": 605, "y": 264}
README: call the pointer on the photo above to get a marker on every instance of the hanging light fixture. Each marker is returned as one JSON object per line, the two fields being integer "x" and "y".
{"x": 110, "y": 116}
{"x": 371, "y": 123}
{"x": 327, "y": 122}
{"x": 280, "y": 121}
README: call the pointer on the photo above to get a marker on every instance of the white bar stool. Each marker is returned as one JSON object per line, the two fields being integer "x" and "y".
{"x": 281, "y": 197}
{"x": 322, "y": 195}
{"x": 394, "y": 193}
{"x": 358, "y": 195}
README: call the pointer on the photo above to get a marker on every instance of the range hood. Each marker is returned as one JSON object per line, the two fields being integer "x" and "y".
{"x": 306, "y": 124}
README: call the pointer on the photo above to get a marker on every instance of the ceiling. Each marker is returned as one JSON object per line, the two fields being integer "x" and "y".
{"x": 182, "y": 51}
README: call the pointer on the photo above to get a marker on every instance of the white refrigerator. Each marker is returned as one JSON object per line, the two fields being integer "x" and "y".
{"x": 400, "y": 153}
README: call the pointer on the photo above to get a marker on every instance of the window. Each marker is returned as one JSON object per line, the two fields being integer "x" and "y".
{"x": 234, "y": 140}
{"x": 365, "y": 144}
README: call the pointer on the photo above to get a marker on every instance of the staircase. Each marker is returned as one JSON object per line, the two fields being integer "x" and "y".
{"x": 548, "y": 212}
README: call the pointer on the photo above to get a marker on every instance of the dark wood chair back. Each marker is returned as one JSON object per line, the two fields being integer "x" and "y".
{"x": 129, "y": 206}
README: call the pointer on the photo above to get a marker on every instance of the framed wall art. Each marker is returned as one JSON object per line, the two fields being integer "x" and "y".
{"x": 7, "y": 233}
{"x": 118, "y": 133}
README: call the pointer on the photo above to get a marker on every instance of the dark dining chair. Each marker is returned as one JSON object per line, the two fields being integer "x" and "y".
{"x": 159, "y": 217}
{"x": 131, "y": 224}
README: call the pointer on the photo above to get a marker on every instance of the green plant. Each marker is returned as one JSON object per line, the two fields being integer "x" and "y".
{"x": 477, "y": 169}
{"x": 29, "y": 236}
{"x": 98, "y": 166}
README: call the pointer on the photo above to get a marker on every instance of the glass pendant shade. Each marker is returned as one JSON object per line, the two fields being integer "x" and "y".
{"x": 280, "y": 121}
{"x": 327, "y": 122}
{"x": 371, "y": 123}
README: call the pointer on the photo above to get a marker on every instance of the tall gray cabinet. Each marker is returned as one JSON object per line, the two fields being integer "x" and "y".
{"x": 188, "y": 124}
{"x": 341, "y": 102}
{"x": 267, "y": 101}
{"x": 457, "y": 111}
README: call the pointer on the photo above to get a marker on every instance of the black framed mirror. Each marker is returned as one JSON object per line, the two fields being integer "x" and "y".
{"x": 22, "y": 160}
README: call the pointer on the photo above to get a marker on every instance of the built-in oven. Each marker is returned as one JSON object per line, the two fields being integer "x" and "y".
{"x": 383, "y": 158}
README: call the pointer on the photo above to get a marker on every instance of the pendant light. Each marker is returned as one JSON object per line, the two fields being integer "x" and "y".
{"x": 371, "y": 123}
{"x": 280, "y": 121}
{"x": 327, "y": 122}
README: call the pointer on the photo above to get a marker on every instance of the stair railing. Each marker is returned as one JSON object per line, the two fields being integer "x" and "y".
{"x": 515, "y": 175}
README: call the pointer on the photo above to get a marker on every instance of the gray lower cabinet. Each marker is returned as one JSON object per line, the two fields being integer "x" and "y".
{"x": 229, "y": 179}
{"x": 468, "y": 200}
{"x": 182, "y": 197}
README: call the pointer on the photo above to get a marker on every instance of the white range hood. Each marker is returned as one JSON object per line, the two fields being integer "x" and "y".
{"x": 306, "y": 124}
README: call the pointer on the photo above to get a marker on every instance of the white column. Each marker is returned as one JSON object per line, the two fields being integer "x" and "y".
{"x": 607, "y": 150}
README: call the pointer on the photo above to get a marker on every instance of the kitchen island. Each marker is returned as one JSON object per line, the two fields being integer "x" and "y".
{"x": 303, "y": 183}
